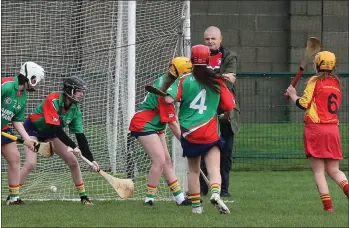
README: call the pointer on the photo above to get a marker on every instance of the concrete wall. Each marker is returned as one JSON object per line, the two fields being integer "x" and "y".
{"x": 270, "y": 36}
{"x": 256, "y": 30}
{"x": 325, "y": 19}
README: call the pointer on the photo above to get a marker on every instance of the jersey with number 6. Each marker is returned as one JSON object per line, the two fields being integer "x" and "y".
{"x": 198, "y": 108}
{"x": 321, "y": 99}
{"x": 13, "y": 101}
{"x": 153, "y": 113}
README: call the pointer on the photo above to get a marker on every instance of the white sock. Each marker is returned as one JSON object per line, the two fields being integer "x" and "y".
{"x": 179, "y": 198}
{"x": 147, "y": 199}
{"x": 13, "y": 199}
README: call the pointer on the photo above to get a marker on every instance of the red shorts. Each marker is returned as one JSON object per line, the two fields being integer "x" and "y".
{"x": 322, "y": 141}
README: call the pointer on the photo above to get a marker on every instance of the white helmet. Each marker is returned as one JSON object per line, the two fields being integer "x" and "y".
{"x": 30, "y": 69}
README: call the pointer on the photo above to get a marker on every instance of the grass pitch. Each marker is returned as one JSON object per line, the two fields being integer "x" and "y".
{"x": 261, "y": 199}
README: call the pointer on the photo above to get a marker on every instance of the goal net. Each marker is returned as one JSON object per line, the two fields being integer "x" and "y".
{"x": 90, "y": 39}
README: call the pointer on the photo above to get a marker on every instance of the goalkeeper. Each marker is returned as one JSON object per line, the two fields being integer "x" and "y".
{"x": 13, "y": 102}
{"x": 200, "y": 94}
{"x": 148, "y": 126}
{"x": 58, "y": 110}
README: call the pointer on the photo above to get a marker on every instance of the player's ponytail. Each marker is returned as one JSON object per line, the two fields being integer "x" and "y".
{"x": 206, "y": 77}
{"x": 322, "y": 75}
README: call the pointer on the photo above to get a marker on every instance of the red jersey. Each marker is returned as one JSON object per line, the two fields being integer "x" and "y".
{"x": 321, "y": 99}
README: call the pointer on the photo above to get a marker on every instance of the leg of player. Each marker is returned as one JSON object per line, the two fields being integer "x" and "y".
{"x": 29, "y": 163}
{"x": 12, "y": 156}
{"x": 70, "y": 159}
{"x": 332, "y": 169}
{"x": 153, "y": 147}
{"x": 170, "y": 176}
{"x": 318, "y": 167}
{"x": 194, "y": 183}
{"x": 212, "y": 160}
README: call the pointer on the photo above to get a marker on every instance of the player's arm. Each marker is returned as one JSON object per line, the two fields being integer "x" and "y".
{"x": 304, "y": 101}
{"x": 168, "y": 115}
{"x": 17, "y": 122}
{"x": 175, "y": 129}
{"x": 76, "y": 127}
{"x": 52, "y": 119}
{"x": 21, "y": 130}
{"x": 175, "y": 91}
{"x": 227, "y": 100}
{"x": 84, "y": 147}
{"x": 30, "y": 143}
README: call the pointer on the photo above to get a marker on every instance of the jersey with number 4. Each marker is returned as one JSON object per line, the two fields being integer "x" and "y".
{"x": 13, "y": 101}
{"x": 321, "y": 99}
{"x": 153, "y": 113}
{"x": 198, "y": 108}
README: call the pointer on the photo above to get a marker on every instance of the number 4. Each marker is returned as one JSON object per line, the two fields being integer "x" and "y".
{"x": 202, "y": 98}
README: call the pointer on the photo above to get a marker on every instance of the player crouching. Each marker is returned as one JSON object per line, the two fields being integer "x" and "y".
{"x": 46, "y": 123}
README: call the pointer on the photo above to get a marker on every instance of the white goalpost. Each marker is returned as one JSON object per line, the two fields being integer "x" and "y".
{"x": 117, "y": 47}
{"x": 180, "y": 163}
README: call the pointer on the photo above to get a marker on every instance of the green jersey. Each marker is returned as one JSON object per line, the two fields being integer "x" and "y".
{"x": 52, "y": 112}
{"x": 153, "y": 113}
{"x": 150, "y": 101}
{"x": 13, "y": 101}
{"x": 198, "y": 108}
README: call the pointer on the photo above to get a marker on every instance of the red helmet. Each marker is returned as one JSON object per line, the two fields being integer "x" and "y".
{"x": 200, "y": 55}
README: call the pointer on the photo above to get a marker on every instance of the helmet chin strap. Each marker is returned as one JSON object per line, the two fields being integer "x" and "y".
{"x": 71, "y": 97}
{"x": 26, "y": 86}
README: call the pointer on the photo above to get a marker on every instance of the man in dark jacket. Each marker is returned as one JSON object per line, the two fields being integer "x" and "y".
{"x": 224, "y": 62}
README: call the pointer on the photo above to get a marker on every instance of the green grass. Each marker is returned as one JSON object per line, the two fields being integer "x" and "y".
{"x": 261, "y": 199}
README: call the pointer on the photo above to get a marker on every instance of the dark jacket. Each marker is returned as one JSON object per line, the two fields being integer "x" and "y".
{"x": 229, "y": 65}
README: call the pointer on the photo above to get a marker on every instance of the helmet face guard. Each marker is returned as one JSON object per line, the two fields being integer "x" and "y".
{"x": 75, "y": 89}
{"x": 71, "y": 93}
{"x": 30, "y": 81}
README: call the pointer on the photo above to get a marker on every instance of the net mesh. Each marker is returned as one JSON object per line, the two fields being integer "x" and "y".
{"x": 89, "y": 39}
